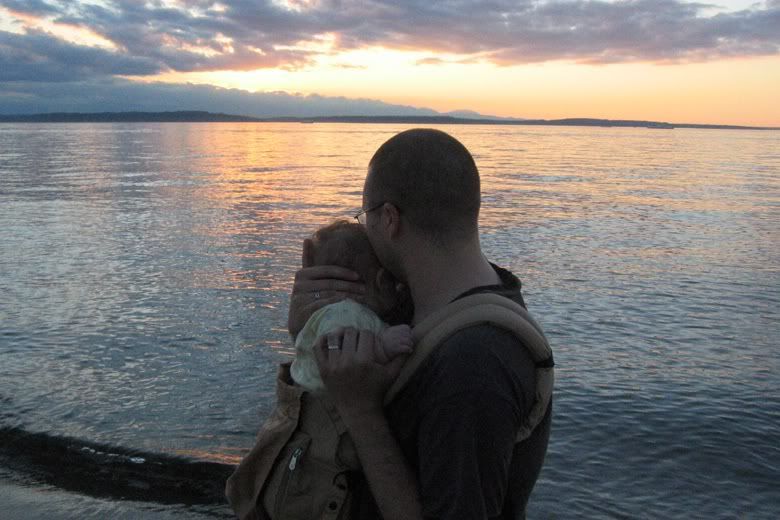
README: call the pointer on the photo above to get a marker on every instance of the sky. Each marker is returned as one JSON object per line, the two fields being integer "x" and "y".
{"x": 662, "y": 60}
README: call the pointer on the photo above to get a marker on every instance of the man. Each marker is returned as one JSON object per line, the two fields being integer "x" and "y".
{"x": 445, "y": 447}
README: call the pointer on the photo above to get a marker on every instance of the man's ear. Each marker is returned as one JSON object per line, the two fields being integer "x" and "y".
{"x": 393, "y": 219}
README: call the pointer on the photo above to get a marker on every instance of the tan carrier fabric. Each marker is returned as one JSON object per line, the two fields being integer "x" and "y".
{"x": 301, "y": 464}
{"x": 478, "y": 309}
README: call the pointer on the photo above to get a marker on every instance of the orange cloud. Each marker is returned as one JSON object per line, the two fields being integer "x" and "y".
{"x": 77, "y": 33}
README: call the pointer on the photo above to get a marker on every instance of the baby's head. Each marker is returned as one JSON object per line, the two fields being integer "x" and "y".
{"x": 346, "y": 244}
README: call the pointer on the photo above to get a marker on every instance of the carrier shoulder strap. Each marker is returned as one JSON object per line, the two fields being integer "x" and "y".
{"x": 478, "y": 309}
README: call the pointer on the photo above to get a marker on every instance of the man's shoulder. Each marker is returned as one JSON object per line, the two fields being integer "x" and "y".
{"x": 478, "y": 359}
{"x": 482, "y": 347}
{"x": 478, "y": 342}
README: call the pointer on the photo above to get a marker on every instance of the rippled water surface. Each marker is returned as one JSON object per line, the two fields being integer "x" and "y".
{"x": 145, "y": 269}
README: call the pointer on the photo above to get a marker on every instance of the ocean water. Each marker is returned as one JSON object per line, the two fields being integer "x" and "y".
{"x": 145, "y": 271}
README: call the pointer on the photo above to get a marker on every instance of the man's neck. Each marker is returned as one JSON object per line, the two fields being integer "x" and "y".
{"x": 438, "y": 278}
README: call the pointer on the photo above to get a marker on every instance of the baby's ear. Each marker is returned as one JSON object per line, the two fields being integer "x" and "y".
{"x": 384, "y": 280}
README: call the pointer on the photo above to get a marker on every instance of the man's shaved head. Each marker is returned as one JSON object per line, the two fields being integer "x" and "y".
{"x": 433, "y": 180}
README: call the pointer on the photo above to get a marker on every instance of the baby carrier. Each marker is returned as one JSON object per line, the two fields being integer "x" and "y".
{"x": 304, "y": 464}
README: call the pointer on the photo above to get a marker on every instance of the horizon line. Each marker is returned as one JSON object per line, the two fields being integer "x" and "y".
{"x": 207, "y": 116}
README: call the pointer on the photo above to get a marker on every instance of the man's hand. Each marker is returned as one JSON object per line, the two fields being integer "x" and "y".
{"x": 357, "y": 383}
{"x": 318, "y": 286}
{"x": 354, "y": 377}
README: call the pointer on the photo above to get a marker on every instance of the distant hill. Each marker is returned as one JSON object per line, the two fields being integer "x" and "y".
{"x": 470, "y": 114}
{"x": 194, "y": 116}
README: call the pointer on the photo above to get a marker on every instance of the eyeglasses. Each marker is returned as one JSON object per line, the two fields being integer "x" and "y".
{"x": 361, "y": 217}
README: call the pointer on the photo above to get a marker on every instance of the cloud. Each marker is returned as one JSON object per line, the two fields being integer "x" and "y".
{"x": 38, "y": 56}
{"x": 202, "y": 35}
{"x": 432, "y": 60}
{"x": 513, "y": 32}
{"x": 117, "y": 95}
{"x": 33, "y": 7}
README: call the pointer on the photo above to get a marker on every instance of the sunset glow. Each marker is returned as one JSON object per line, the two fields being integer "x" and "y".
{"x": 736, "y": 91}
{"x": 724, "y": 70}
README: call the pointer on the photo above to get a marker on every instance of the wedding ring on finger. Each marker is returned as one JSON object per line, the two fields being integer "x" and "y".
{"x": 332, "y": 346}
{"x": 317, "y": 295}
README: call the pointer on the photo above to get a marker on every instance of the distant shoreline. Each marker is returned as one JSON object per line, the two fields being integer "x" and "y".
{"x": 191, "y": 116}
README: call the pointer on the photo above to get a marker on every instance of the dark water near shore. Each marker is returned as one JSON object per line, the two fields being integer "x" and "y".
{"x": 145, "y": 269}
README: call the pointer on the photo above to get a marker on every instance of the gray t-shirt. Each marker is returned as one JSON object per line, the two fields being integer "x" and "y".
{"x": 457, "y": 420}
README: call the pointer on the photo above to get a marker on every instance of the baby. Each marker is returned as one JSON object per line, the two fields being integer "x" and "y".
{"x": 346, "y": 244}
